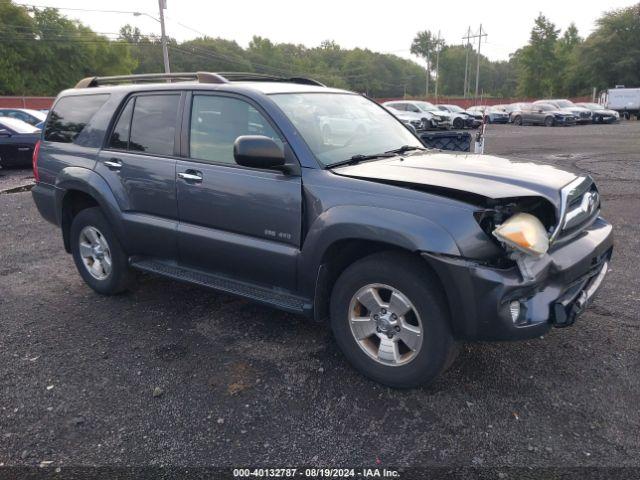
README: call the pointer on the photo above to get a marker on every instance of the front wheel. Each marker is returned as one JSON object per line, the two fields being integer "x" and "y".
{"x": 517, "y": 120}
{"x": 389, "y": 318}
{"x": 97, "y": 253}
{"x": 549, "y": 122}
{"x": 458, "y": 123}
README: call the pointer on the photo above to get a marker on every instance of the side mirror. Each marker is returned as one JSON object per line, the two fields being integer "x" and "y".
{"x": 540, "y": 110}
{"x": 257, "y": 151}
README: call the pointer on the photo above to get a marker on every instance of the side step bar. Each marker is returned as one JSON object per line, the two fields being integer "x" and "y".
{"x": 274, "y": 298}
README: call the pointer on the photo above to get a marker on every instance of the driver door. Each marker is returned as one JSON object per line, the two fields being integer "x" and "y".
{"x": 235, "y": 221}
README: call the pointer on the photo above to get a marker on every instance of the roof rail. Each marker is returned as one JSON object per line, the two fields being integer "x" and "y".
{"x": 201, "y": 77}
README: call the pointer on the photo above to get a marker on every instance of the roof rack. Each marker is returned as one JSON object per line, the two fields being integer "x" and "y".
{"x": 200, "y": 77}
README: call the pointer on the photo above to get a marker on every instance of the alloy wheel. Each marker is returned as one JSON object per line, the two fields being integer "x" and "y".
{"x": 95, "y": 253}
{"x": 385, "y": 324}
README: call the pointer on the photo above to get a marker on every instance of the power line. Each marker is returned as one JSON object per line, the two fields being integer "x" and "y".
{"x": 94, "y": 10}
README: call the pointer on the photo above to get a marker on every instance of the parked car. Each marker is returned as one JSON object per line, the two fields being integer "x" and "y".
{"x": 460, "y": 118}
{"x": 17, "y": 141}
{"x": 491, "y": 114}
{"x": 542, "y": 114}
{"x": 581, "y": 114}
{"x": 625, "y": 101}
{"x": 600, "y": 114}
{"x": 32, "y": 117}
{"x": 425, "y": 112}
{"x": 405, "y": 251}
{"x": 415, "y": 122}
{"x": 513, "y": 109}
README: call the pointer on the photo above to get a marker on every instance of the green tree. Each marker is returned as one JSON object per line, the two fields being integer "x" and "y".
{"x": 611, "y": 54}
{"x": 425, "y": 45}
{"x": 538, "y": 61}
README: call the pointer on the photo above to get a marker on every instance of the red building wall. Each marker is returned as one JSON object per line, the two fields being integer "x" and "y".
{"x": 35, "y": 103}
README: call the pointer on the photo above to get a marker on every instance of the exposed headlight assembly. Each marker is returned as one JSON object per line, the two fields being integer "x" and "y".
{"x": 525, "y": 233}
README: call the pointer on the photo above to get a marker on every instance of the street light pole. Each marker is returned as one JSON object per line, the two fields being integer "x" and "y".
{"x": 162, "y": 4}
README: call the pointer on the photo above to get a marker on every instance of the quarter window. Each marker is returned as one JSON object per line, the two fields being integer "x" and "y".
{"x": 70, "y": 116}
{"x": 216, "y": 123}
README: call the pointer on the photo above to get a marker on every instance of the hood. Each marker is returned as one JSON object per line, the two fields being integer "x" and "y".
{"x": 463, "y": 174}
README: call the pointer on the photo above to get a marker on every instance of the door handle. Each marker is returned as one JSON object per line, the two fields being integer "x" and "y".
{"x": 113, "y": 164}
{"x": 192, "y": 176}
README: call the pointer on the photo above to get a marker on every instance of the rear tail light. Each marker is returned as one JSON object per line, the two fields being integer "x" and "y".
{"x": 36, "y": 151}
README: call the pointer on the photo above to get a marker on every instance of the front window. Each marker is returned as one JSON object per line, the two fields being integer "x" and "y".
{"x": 338, "y": 126}
{"x": 565, "y": 104}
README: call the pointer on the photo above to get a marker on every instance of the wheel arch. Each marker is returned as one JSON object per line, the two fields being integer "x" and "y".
{"x": 79, "y": 188}
{"x": 339, "y": 238}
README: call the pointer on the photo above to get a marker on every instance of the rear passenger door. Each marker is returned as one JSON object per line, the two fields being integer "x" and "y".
{"x": 235, "y": 221}
{"x": 139, "y": 164}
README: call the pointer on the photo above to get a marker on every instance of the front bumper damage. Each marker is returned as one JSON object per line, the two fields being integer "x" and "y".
{"x": 564, "y": 283}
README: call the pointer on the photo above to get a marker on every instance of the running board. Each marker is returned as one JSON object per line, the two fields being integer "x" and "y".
{"x": 278, "y": 299}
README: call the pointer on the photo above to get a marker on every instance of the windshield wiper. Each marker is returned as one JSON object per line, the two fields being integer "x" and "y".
{"x": 405, "y": 148}
{"x": 361, "y": 158}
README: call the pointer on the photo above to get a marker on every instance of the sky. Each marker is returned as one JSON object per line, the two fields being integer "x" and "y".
{"x": 375, "y": 25}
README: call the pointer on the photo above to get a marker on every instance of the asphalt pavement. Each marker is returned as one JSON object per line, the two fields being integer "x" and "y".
{"x": 172, "y": 374}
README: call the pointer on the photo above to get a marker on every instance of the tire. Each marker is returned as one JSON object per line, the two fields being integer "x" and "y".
{"x": 91, "y": 228}
{"x": 517, "y": 120}
{"x": 435, "y": 347}
{"x": 549, "y": 122}
{"x": 458, "y": 123}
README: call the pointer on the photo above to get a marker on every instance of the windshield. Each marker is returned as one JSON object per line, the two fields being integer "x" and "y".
{"x": 338, "y": 126}
{"x": 592, "y": 106}
{"x": 454, "y": 108}
{"x": 565, "y": 104}
{"x": 17, "y": 126}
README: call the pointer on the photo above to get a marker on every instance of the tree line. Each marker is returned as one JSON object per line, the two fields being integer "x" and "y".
{"x": 43, "y": 52}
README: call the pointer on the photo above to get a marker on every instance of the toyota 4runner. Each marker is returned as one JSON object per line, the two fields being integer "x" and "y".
{"x": 227, "y": 181}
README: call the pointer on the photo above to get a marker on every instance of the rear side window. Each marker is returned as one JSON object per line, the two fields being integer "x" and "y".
{"x": 153, "y": 126}
{"x": 70, "y": 116}
{"x": 120, "y": 135}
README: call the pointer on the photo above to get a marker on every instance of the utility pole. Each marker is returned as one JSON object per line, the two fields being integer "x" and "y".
{"x": 480, "y": 35}
{"x": 426, "y": 91}
{"x": 162, "y": 4}
{"x": 437, "y": 64}
{"x": 466, "y": 63}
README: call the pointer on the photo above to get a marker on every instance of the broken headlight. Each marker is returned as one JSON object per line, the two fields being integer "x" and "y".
{"x": 523, "y": 232}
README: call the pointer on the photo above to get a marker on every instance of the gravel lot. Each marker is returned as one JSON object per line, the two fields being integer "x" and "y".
{"x": 237, "y": 384}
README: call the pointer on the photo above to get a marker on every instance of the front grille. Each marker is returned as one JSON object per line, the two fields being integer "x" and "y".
{"x": 582, "y": 207}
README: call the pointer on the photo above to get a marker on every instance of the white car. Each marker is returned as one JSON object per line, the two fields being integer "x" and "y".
{"x": 460, "y": 118}
{"x": 428, "y": 114}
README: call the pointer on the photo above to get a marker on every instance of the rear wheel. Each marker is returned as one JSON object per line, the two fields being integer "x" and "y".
{"x": 389, "y": 318}
{"x": 97, "y": 253}
{"x": 549, "y": 121}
